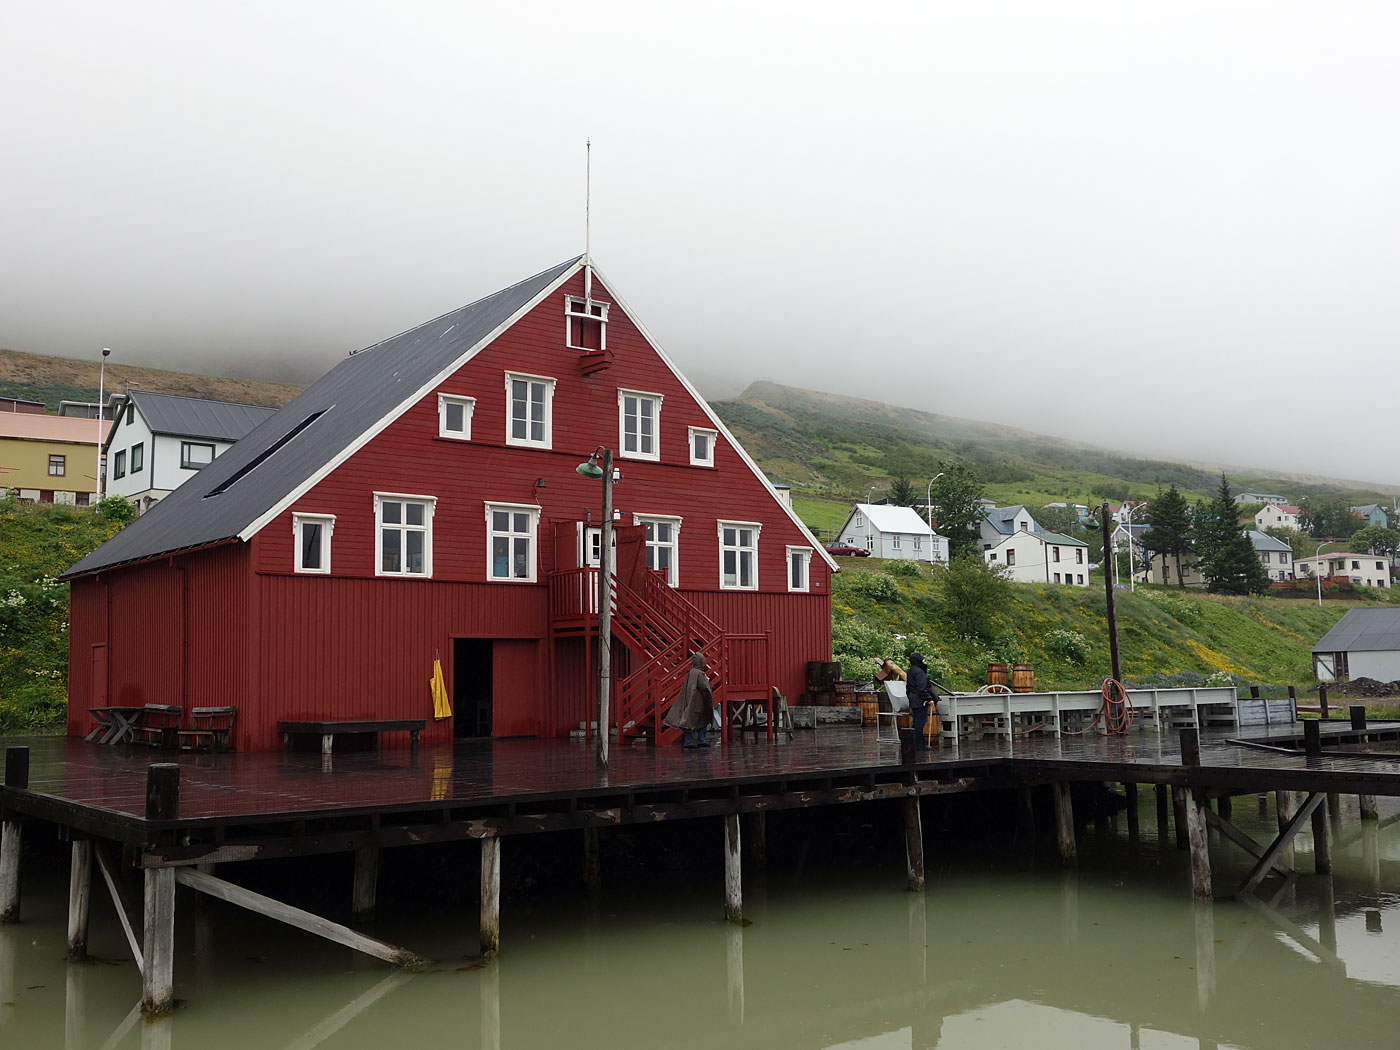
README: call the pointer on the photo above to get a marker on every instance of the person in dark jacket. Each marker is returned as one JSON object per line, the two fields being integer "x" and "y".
{"x": 920, "y": 697}
{"x": 694, "y": 705}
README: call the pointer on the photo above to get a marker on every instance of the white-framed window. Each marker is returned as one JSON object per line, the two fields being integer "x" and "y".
{"x": 799, "y": 561}
{"x": 403, "y": 527}
{"x": 663, "y": 544}
{"x": 1057, "y": 577}
{"x": 639, "y": 423}
{"x": 312, "y": 536}
{"x": 918, "y": 543}
{"x": 894, "y": 540}
{"x": 702, "y": 447}
{"x": 1054, "y": 553}
{"x": 529, "y": 410}
{"x": 1079, "y": 555}
{"x": 510, "y": 541}
{"x": 860, "y": 520}
{"x": 591, "y": 545}
{"x": 738, "y": 555}
{"x": 1264, "y": 557}
{"x": 587, "y": 323}
{"x": 455, "y": 416}
{"x": 195, "y": 455}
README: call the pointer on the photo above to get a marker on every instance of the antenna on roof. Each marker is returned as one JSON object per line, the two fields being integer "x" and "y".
{"x": 587, "y": 222}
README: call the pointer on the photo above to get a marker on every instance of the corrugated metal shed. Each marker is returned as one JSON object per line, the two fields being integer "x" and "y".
{"x": 197, "y": 417}
{"x": 326, "y": 418}
{"x": 1363, "y": 630}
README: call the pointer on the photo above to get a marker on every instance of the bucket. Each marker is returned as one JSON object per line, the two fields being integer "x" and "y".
{"x": 868, "y": 710}
{"x": 996, "y": 674}
{"x": 1022, "y": 678}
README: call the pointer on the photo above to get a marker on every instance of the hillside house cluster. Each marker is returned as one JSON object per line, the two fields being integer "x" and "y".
{"x": 421, "y": 501}
{"x": 888, "y": 531}
{"x": 1275, "y": 555}
{"x": 1366, "y": 570}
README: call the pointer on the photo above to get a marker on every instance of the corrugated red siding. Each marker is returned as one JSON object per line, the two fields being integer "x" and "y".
{"x": 87, "y": 627}
{"x": 283, "y": 645}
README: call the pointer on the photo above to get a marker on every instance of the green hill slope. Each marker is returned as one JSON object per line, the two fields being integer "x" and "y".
{"x": 1166, "y": 637}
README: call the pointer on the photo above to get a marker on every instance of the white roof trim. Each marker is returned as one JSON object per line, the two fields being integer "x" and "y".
{"x": 714, "y": 419}
{"x": 427, "y": 388}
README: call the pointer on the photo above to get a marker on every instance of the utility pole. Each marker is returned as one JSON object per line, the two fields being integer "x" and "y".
{"x": 1108, "y": 590}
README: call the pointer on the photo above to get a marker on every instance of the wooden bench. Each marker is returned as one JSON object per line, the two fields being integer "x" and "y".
{"x": 211, "y": 728}
{"x": 328, "y": 731}
{"x": 158, "y": 724}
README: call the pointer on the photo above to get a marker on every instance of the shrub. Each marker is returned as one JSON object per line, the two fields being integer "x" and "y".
{"x": 904, "y": 568}
{"x": 1069, "y": 646}
{"x": 859, "y": 645}
{"x": 973, "y": 592}
{"x": 879, "y": 586}
{"x": 1183, "y": 610}
{"x": 117, "y": 508}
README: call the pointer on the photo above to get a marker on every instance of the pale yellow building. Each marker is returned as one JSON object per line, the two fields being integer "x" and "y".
{"x": 50, "y": 459}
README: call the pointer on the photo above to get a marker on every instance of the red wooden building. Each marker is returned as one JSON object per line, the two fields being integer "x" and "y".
{"x": 421, "y": 500}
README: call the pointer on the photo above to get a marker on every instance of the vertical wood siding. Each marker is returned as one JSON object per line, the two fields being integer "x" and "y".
{"x": 800, "y": 626}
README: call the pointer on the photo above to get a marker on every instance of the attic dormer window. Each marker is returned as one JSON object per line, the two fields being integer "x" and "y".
{"x": 587, "y": 321}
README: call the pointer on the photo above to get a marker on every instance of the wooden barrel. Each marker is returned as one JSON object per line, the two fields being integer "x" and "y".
{"x": 869, "y": 705}
{"x": 1022, "y": 678}
{"x": 996, "y": 674}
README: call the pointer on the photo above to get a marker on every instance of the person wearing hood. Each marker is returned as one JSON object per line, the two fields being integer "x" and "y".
{"x": 920, "y": 696}
{"x": 694, "y": 705}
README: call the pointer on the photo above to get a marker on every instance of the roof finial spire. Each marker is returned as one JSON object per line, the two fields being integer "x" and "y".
{"x": 587, "y": 221}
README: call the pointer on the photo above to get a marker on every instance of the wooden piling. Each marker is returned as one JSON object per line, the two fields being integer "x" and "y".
{"x": 733, "y": 871}
{"x": 1283, "y": 808}
{"x": 1160, "y": 791}
{"x": 16, "y": 776}
{"x": 1180, "y": 817}
{"x": 757, "y": 837}
{"x": 1334, "y": 807}
{"x": 365, "y": 883}
{"x": 1322, "y": 842}
{"x": 1195, "y": 806}
{"x": 1368, "y": 807}
{"x": 1064, "y": 823}
{"x": 913, "y": 843}
{"x": 1312, "y": 738}
{"x": 79, "y": 899}
{"x": 490, "y": 895}
{"x": 1225, "y": 806}
{"x": 1322, "y": 700}
{"x": 1327, "y": 916}
{"x": 1204, "y": 916}
{"x": 158, "y": 942}
{"x": 1130, "y": 796}
{"x": 1025, "y": 811}
{"x": 162, "y": 791}
{"x": 592, "y": 861}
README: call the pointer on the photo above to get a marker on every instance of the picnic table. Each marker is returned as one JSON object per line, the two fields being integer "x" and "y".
{"x": 116, "y": 724}
{"x": 328, "y": 731}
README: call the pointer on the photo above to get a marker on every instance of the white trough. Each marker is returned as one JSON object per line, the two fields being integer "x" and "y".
{"x": 1070, "y": 712}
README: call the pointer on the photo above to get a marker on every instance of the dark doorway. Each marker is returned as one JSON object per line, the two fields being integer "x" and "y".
{"x": 471, "y": 686}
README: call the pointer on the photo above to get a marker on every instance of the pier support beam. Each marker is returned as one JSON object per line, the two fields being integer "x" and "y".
{"x": 914, "y": 843}
{"x": 490, "y": 895}
{"x": 158, "y": 942}
{"x": 1283, "y": 805}
{"x": 366, "y": 882}
{"x": 1322, "y": 841}
{"x": 16, "y": 776}
{"x": 733, "y": 871}
{"x": 1179, "y": 816}
{"x": 1273, "y": 854}
{"x": 1368, "y": 807}
{"x": 1160, "y": 791}
{"x": 1199, "y": 844}
{"x": 592, "y": 861}
{"x": 79, "y": 899}
{"x": 1130, "y": 796}
{"x": 1064, "y": 823}
{"x": 758, "y": 839}
{"x": 1225, "y": 806}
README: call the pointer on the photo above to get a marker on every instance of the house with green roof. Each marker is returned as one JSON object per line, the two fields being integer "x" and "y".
{"x": 1041, "y": 557}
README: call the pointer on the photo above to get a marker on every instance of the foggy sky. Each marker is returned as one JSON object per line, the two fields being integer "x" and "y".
{"x": 1169, "y": 229}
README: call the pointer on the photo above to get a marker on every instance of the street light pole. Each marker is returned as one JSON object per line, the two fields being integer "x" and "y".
{"x": 101, "y": 395}
{"x": 1132, "y": 582}
{"x": 591, "y": 470}
{"x": 928, "y": 508}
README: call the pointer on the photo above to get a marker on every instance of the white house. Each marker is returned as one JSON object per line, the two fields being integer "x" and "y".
{"x": 1369, "y": 570}
{"x": 1364, "y": 644}
{"x": 999, "y": 522}
{"x": 1278, "y": 516}
{"x": 1041, "y": 557}
{"x": 158, "y": 441}
{"x": 1260, "y": 497}
{"x": 893, "y": 532}
{"x": 1275, "y": 555}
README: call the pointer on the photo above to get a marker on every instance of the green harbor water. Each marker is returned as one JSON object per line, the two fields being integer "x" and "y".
{"x": 1003, "y": 950}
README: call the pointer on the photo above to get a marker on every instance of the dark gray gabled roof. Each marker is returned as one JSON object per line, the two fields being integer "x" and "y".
{"x": 324, "y": 420}
{"x": 1264, "y": 542}
{"x": 195, "y": 417}
{"x": 1363, "y": 630}
{"x": 1003, "y": 519}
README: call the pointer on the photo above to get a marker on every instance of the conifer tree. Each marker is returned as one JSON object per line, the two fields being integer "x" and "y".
{"x": 1227, "y": 559}
{"x": 1170, "y": 534}
{"x": 902, "y": 492}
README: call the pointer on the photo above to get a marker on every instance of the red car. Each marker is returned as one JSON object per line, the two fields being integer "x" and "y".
{"x": 847, "y": 548}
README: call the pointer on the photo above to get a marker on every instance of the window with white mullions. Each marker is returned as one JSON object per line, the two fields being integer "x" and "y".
{"x": 799, "y": 568}
{"x": 529, "y": 410}
{"x": 738, "y": 555}
{"x": 510, "y": 541}
{"x": 663, "y": 545}
{"x": 639, "y": 419}
{"x": 312, "y": 533}
{"x": 587, "y": 321}
{"x": 404, "y": 528}
{"x": 455, "y": 416}
{"x": 702, "y": 447}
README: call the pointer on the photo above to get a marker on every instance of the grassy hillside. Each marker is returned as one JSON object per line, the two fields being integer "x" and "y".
{"x": 53, "y": 379}
{"x": 1166, "y": 636}
{"x": 831, "y": 449}
{"x": 36, "y": 544}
